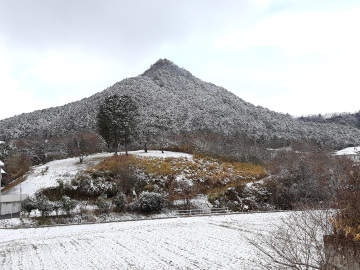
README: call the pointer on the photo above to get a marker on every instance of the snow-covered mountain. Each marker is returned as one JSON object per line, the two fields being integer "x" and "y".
{"x": 189, "y": 105}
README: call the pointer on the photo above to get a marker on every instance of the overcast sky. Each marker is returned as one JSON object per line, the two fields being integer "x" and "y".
{"x": 291, "y": 56}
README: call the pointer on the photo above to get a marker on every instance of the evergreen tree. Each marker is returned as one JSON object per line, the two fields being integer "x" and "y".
{"x": 117, "y": 121}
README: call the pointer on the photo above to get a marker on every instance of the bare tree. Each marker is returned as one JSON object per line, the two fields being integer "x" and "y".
{"x": 82, "y": 145}
{"x": 297, "y": 243}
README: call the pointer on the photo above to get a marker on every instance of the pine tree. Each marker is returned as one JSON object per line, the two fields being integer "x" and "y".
{"x": 117, "y": 121}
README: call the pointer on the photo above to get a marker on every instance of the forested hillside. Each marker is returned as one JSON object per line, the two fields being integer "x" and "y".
{"x": 347, "y": 119}
{"x": 172, "y": 99}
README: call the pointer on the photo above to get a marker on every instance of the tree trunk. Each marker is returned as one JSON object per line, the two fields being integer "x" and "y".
{"x": 126, "y": 144}
{"x": 116, "y": 145}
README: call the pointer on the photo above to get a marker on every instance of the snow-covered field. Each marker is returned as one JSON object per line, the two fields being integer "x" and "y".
{"x": 215, "y": 242}
{"x": 46, "y": 175}
{"x": 208, "y": 242}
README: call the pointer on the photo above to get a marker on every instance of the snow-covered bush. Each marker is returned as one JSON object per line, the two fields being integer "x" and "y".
{"x": 88, "y": 186}
{"x": 122, "y": 171}
{"x": 120, "y": 201}
{"x": 102, "y": 203}
{"x": 249, "y": 197}
{"x": 151, "y": 202}
{"x": 29, "y": 204}
{"x": 67, "y": 204}
{"x": 44, "y": 205}
{"x": 63, "y": 186}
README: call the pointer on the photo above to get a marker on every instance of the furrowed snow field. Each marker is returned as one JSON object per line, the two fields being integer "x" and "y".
{"x": 210, "y": 242}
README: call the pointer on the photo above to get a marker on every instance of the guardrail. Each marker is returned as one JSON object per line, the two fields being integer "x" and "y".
{"x": 199, "y": 212}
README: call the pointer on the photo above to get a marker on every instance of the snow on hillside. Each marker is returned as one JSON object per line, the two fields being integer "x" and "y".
{"x": 215, "y": 242}
{"x": 46, "y": 175}
{"x": 185, "y": 105}
{"x": 348, "y": 151}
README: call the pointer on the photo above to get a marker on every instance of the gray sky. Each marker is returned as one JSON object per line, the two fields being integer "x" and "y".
{"x": 291, "y": 56}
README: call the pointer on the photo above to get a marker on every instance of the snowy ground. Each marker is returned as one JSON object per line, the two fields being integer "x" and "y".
{"x": 215, "y": 242}
{"x": 47, "y": 175}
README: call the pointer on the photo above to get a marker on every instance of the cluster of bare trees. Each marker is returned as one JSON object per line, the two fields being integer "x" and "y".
{"x": 331, "y": 186}
{"x": 297, "y": 243}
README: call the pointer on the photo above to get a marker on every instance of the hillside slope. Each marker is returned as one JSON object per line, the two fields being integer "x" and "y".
{"x": 346, "y": 119}
{"x": 184, "y": 104}
{"x": 47, "y": 175}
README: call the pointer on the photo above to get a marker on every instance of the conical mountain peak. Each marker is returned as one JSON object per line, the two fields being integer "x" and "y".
{"x": 165, "y": 66}
{"x": 187, "y": 105}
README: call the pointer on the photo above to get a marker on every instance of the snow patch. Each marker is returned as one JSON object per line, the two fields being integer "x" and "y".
{"x": 348, "y": 151}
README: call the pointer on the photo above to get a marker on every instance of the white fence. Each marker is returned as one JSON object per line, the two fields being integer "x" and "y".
{"x": 197, "y": 212}
{"x": 10, "y": 204}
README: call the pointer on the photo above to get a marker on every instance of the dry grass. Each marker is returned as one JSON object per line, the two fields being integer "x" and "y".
{"x": 207, "y": 173}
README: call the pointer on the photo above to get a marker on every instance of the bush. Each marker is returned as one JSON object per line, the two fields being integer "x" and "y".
{"x": 102, "y": 204}
{"x": 347, "y": 220}
{"x": 29, "y": 204}
{"x": 297, "y": 242}
{"x": 120, "y": 201}
{"x": 87, "y": 186}
{"x": 121, "y": 169}
{"x": 298, "y": 178}
{"x": 151, "y": 202}
{"x": 242, "y": 198}
{"x": 44, "y": 205}
{"x": 68, "y": 204}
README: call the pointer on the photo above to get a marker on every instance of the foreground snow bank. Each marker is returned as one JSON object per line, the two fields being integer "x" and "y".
{"x": 216, "y": 242}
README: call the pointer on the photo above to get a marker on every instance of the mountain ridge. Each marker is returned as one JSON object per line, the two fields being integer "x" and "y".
{"x": 189, "y": 104}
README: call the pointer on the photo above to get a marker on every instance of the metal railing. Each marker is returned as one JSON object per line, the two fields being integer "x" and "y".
{"x": 199, "y": 212}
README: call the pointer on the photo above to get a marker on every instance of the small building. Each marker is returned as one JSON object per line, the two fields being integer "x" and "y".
{"x": 1, "y": 171}
{"x": 351, "y": 152}
{"x": 9, "y": 204}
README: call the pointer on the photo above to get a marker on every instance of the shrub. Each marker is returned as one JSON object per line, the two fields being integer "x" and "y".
{"x": 44, "y": 205}
{"x": 56, "y": 206}
{"x": 300, "y": 178}
{"x": 242, "y": 198}
{"x": 347, "y": 220}
{"x": 102, "y": 204}
{"x": 87, "y": 186}
{"x": 297, "y": 242}
{"x": 121, "y": 169}
{"x": 29, "y": 204}
{"x": 63, "y": 187}
{"x": 151, "y": 202}
{"x": 120, "y": 201}
{"x": 68, "y": 204}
